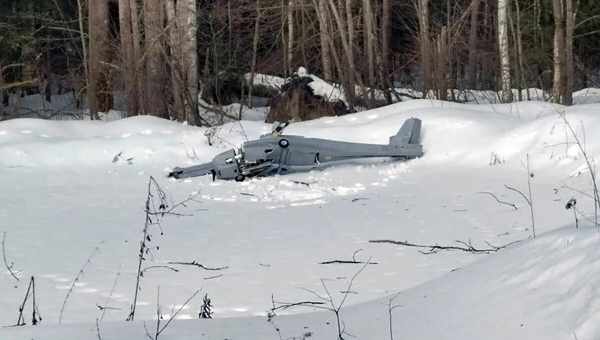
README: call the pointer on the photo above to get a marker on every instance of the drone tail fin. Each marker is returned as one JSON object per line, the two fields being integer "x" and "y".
{"x": 409, "y": 133}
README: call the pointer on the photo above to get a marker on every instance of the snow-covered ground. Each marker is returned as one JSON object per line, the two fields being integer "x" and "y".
{"x": 70, "y": 187}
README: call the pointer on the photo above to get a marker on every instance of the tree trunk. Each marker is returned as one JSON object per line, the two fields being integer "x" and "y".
{"x": 370, "y": 35}
{"x": 323, "y": 37}
{"x": 137, "y": 51}
{"x": 386, "y": 32}
{"x": 473, "y": 53}
{"x": 350, "y": 69}
{"x": 290, "y": 42}
{"x": 176, "y": 80}
{"x": 521, "y": 56}
{"x": 99, "y": 91}
{"x": 559, "y": 80}
{"x": 254, "y": 52}
{"x": 129, "y": 62}
{"x": 425, "y": 45}
{"x": 154, "y": 102}
{"x": 504, "y": 52}
{"x": 351, "y": 35}
{"x": 181, "y": 16}
{"x": 571, "y": 14}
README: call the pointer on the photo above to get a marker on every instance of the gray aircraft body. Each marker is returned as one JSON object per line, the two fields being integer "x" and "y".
{"x": 276, "y": 153}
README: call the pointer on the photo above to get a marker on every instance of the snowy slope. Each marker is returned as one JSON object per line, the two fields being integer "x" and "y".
{"x": 72, "y": 186}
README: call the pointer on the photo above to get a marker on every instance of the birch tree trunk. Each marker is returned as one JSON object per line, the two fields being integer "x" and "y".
{"x": 559, "y": 80}
{"x": 503, "y": 48}
{"x": 181, "y": 16}
{"x": 571, "y": 14}
{"x": 186, "y": 12}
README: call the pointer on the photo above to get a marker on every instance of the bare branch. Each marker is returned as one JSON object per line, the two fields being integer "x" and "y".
{"x": 518, "y": 192}
{"x": 8, "y": 267}
{"x": 462, "y": 246}
{"x": 514, "y": 206}
{"x": 199, "y": 265}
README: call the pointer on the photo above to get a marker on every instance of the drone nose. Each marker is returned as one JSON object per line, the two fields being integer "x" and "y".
{"x": 175, "y": 173}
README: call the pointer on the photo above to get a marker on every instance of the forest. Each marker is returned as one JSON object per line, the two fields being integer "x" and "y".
{"x": 168, "y": 58}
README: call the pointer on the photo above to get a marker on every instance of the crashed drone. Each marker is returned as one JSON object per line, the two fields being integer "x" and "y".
{"x": 276, "y": 153}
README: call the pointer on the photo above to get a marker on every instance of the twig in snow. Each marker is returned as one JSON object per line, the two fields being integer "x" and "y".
{"x": 199, "y": 265}
{"x": 110, "y": 294}
{"x": 158, "y": 267}
{"x": 75, "y": 280}
{"x": 8, "y": 267}
{"x": 284, "y": 306}
{"x": 391, "y": 308}
{"x": 213, "y": 277}
{"x": 461, "y": 246}
{"x": 98, "y": 329}
{"x": 160, "y": 329}
{"x": 590, "y": 163}
{"x": 514, "y": 206}
{"x": 353, "y": 261}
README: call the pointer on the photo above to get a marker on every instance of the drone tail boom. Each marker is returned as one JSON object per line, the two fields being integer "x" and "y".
{"x": 409, "y": 133}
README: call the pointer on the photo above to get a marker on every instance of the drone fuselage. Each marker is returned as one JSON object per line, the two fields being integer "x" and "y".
{"x": 281, "y": 154}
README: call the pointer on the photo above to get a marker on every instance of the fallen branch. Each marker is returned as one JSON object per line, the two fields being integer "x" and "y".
{"x": 461, "y": 246}
{"x": 346, "y": 262}
{"x": 199, "y": 265}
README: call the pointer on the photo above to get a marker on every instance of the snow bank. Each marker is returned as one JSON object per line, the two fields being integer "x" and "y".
{"x": 71, "y": 186}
